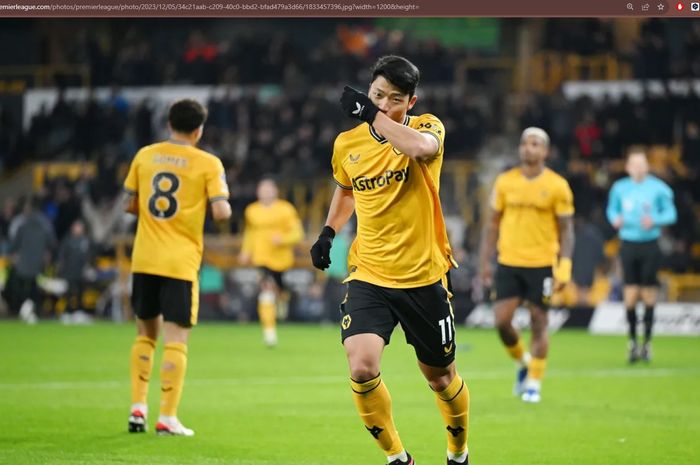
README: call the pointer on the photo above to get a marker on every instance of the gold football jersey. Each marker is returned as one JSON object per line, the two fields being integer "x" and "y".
{"x": 174, "y": 183}
{"x": 529, "y": 232}
{"x": 401, "y": 239}
{"x": 262, "y": 224}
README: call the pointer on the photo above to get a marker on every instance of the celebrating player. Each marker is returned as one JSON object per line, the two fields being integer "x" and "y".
{"x": 388, "y": 172}
{"x": 272, "y": 229}
{"x": 169, "y": 186}
{"x": 532, "y": 219}
{"x": 639, "y": 205}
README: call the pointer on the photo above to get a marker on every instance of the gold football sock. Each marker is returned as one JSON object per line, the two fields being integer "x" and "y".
{"x": 453, "y": 404}
{"x": 373, "y": 403}
{"x": 141, "y": 364}
{"x": 267, "y": 310}
{"x": 536, "y": 368}
{"x": 172, "y": 377}
{"x": 517, "y": 351}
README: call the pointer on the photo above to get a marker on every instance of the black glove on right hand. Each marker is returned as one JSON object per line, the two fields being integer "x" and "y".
{"x": 358, "y": 105}
{"x": 321, "y": 250}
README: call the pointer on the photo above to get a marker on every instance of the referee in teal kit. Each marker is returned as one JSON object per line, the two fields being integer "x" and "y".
{"x": 638, "y": 206}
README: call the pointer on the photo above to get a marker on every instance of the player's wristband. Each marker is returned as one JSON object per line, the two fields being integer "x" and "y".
{"x": 327, "y": 231}
{"x": 562, "y": 272}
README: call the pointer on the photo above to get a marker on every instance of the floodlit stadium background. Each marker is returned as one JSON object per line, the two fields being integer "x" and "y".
{"x": 79, "y": 97}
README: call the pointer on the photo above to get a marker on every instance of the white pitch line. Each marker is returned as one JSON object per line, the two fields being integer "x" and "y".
{"x": 311, "y": 380}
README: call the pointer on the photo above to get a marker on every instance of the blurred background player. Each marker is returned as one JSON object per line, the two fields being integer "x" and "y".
{"x": 272, "y": 229}
{"x": 638, "y": 207}
{"x": 388, "y": 173}
{"x": 532, "y": 219}
{"x": 169, "y": 186}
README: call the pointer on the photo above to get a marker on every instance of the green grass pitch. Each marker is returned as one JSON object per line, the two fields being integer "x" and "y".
{"x": 64, "y": 399}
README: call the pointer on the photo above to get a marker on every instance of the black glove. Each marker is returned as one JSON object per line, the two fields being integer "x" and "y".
{"x": 357, "y": 105}
{"x": 321, "y": 250}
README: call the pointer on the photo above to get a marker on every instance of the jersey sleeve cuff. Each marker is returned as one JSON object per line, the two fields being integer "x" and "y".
{"x": 436, "y": 138}
{"x": 129, "y": 191}
{"x": 218, "y": 197}
{"x": 342, "y": 186}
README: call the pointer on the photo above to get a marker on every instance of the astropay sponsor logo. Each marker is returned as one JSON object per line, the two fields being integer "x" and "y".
{"x": 366, "y": 183}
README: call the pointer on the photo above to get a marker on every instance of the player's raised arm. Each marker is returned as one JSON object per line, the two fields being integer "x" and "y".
{"x": 417, "y": 145}
{"x": 412, "y": 143}
{"x": 392, "y": 93}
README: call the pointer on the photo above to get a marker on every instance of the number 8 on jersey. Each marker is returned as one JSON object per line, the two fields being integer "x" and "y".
{"x": 163, "y": 204}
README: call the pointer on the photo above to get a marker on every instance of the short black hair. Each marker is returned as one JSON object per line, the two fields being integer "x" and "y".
{"x": 186, "y": 115}
{"x": 398, "y": 71}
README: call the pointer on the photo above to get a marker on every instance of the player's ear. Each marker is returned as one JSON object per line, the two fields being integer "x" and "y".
{"x": 412, "y": 101}
{"x": 198, "y": 132}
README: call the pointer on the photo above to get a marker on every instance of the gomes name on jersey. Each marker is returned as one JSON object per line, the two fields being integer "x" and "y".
{"x": 363, "y": 183}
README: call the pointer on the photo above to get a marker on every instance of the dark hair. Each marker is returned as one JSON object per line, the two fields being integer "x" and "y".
{"x": 186, "y": 115}
{"x": 398, "y": 71}
{"x": 268, "y": 177}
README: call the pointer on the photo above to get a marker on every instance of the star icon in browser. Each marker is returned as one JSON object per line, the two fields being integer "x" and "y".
{"x": 661, "y": 7}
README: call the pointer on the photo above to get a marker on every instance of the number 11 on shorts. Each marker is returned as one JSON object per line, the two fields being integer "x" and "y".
{"x": 446, "y": 329}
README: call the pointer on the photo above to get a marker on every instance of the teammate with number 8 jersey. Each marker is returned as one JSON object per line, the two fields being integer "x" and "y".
{"x": 169, "y": 186}
{"x": 174, "y": 182}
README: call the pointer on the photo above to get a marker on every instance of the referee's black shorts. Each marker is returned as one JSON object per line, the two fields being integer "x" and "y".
{"x": 640, "y": 263}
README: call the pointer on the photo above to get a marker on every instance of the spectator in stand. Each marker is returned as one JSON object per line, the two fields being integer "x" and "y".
{"x": 6, "y": 215}
{"x": 587, "y": 134}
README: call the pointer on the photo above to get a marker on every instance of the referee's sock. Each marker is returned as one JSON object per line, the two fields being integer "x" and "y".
{"x": 648, "y": 322}
{"x": 632, "y": 320}
{"x": 453, "y": 404}
{"x": 373, "y": 403}
{"x": 141, "y": 365}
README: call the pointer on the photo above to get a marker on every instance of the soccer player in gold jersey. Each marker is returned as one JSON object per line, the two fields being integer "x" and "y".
{"x": 272, "y": 229}
{"x": 532, "y": 219}
{"x": 387, "y": 171}
{"x": 169, "y": 186}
